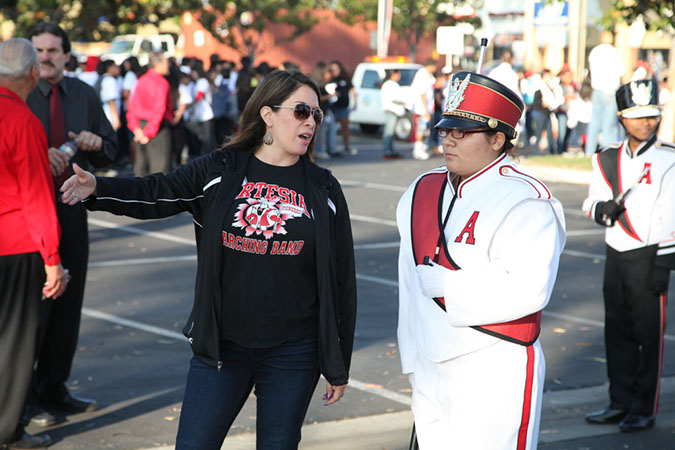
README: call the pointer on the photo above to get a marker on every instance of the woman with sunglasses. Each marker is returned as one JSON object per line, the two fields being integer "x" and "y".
{"x": 480, "y": 245}
{"x": 275, "y": 297}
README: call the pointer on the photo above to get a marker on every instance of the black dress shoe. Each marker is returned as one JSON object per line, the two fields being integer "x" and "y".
{"x": 607, "y": 415}
{"x": 635, "y": 422}
{"x": 29, "y": 441}
{"x": 71, "y": 404}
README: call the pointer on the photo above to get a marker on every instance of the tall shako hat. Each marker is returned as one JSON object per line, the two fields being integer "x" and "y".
{"x": 639, "y": 98}
{"x": 477, "y": 101}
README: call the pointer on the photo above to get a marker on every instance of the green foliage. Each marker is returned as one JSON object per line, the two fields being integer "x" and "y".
{"x": 93, "y": 20}
{"x": 657, "y": 14}
{"x": 240, "y": 24}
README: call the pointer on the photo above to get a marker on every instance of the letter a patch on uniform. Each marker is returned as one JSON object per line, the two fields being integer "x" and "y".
{"x": 648, "y": 178}
{"x": 468, "y": 229}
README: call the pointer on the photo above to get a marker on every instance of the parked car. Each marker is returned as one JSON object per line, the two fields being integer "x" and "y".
{"x": 367, "y": 80}
{"x": 139, "y": 46}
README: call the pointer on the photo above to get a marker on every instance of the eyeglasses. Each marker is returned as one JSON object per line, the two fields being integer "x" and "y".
{"x": 457, "y": 134}
{"x": 301, "y": 111}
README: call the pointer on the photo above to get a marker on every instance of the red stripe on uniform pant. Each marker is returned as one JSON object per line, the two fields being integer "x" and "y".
{"x": 527, "y": 401}
{"x": 662, "y": 330}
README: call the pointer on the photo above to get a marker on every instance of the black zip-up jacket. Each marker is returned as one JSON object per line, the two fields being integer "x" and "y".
{"x": 206, "y": 188}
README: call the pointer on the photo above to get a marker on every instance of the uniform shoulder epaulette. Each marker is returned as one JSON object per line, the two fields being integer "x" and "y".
{"x": 539, "y": 188}
{"x": 612, "y": 146}
{"x": 667, "y": 145}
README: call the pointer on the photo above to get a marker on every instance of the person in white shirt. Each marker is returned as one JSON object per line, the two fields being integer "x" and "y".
{"x": 390, "y": 94}
{"x": 505, "y": 74}
{"x": 109, "y": 92}
{"x": 132, "y": 70}
{"x": 423, "y": 106}
{"x": 202, "y": 111}
{"x": 606, "y": 68}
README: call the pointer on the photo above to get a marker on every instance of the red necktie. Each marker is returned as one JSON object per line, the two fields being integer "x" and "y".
{"x": 57, "y": 129}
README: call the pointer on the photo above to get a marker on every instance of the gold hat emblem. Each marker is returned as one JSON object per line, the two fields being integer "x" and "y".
{"x": 456, "y": 94}
{"x": 492, "y": 123}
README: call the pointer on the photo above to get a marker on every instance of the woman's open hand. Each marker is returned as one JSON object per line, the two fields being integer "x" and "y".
{"x": 78, "y": 187}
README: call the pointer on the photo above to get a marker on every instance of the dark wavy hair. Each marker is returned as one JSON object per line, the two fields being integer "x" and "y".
{"x": 274, "y": 89}
{"x": 54, "y": 29}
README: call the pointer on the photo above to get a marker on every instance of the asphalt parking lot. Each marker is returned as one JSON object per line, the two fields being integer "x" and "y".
{"x": 133, "y": 359}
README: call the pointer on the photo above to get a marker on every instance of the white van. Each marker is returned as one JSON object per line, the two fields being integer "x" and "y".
{"x": 367, "y": 80}
{"x": 139, "y": 46}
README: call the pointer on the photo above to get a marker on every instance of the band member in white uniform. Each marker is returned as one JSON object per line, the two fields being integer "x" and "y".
{"x": 480, "y": 246}
{"x": 632, "y": 193}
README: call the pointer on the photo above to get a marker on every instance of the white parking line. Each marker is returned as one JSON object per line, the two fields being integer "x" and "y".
{"x": 356, "y": 384}
{"x": 383, "y": 187}
{"x": 390, "y": 223}
{"x": 136, "y": 230}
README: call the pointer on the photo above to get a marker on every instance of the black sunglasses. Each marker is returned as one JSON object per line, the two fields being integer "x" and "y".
{"x": 457, "y": 134}
{"x": 301, "y": 111}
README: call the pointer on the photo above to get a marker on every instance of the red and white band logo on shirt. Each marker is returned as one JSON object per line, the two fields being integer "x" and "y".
{"x": 267, "y": 208}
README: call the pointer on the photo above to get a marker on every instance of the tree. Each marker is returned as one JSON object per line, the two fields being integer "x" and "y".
{"x": 412, "y": 20}
{"x": 241, "y": 25}
{"x": 658, "y": 15}
{"x": 92, "y": 20}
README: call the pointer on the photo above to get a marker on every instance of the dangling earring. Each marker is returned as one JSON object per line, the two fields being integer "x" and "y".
{"x": 268, "y": 139}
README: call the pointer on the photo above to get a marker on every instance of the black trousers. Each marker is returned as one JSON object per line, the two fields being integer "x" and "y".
{"x": 59, "y": 326}
{"x": 21, "y": 280}
{"x": 635, "y": 322}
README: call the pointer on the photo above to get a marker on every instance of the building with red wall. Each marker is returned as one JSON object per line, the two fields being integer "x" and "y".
{"x": 330, "y": 39}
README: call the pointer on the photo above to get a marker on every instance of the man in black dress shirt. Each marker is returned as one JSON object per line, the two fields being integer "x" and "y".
{"x": 69, "y": 110}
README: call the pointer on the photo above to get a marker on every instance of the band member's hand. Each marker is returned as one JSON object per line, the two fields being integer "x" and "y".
{"x": 58, "y": 161}
{"x": 87, "y": 141}
{"x": 333, "y": 393}
{"x": 78, "y": 187}
{"x": 57, "y": 281}
{"x": 607, "y": 212}
{"x": 659, "y": 279}
{"x": 431, "y": 279}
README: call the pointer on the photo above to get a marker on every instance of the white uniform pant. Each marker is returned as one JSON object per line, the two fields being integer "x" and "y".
{"x": 489, "y": 399}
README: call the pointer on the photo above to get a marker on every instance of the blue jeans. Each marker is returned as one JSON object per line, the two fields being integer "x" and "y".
{"x": 541, "y": 120}
{"x": 388, "y": 132}
{"x": 561, "y": 144}
{"x": 325, "y": 140}
{"x": 603, "y": 118}
{"x": 284, "y": 378}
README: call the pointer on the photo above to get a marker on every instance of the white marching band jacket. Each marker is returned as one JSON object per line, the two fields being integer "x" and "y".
{"x": 505, "y": 234}
{"x": 649, "y": 218}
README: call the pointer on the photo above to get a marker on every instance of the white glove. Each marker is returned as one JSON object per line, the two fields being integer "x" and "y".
{"x": 432, "y": 279}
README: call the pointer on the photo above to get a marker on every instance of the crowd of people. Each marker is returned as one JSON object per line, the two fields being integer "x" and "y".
{"x": 239, "y": 151}
{"x": 204, "y": 105}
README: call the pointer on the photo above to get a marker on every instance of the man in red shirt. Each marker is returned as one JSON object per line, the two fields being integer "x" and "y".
{"x": 149, "y": 116}
{"x": 29, "y": 241}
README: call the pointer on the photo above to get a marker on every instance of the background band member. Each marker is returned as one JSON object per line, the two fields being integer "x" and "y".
{"x": 480, "y": 246}
{"x": 634, "y": 285}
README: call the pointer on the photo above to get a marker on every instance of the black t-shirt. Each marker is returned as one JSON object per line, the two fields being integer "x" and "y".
{"x": 342, "y": 89}
{"x": 269, "y": 283}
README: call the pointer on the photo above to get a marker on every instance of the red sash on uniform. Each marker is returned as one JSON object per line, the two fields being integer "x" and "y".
{"x": 426, "y": 224}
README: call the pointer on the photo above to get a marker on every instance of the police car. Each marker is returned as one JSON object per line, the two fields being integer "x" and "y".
{"x": 367, "y": 80}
